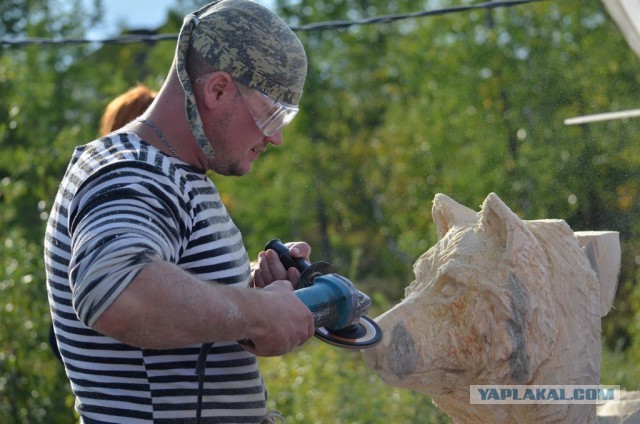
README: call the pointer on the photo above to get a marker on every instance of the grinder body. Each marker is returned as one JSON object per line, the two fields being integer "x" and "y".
{"x": 334, "y": 301}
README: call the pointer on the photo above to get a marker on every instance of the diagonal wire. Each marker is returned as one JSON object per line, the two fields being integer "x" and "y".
{"x": 392, "y": 18}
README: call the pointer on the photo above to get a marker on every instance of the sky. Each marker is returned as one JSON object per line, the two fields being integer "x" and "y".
{"x": 134, "y": 14}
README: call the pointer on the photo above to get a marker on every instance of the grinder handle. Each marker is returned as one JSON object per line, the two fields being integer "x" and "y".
{"x": 285, "y": 257}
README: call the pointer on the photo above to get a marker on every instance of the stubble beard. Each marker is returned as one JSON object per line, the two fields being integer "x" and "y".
{"x": 230, "y": 169}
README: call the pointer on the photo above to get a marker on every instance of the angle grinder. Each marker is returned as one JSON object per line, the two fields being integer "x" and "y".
{"x": 338, "y": 307}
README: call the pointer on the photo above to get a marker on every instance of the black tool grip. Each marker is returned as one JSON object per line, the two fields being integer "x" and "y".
{"x": 286, "y": 259}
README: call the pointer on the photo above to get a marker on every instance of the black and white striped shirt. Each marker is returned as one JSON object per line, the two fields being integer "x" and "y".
{"x": 121, "y": 205}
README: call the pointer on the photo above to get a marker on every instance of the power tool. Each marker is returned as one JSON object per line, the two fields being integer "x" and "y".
{"x": 338, "y": 307}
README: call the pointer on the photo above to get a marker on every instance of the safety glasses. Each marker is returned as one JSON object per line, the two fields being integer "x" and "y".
{"x": 270, "y": 116}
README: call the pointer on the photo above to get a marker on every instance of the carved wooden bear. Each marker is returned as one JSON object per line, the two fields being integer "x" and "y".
{"x": 500, "y": 300}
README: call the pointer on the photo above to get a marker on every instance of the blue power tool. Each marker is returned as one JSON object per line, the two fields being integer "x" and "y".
{"x": 338, "y": 307}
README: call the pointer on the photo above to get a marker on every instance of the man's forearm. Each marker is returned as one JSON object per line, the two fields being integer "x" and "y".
{"x": 165, "y": 307}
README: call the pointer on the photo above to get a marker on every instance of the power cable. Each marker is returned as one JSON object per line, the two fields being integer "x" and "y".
{"x": 392, "y": 18}
{"x": 320, "y": 26}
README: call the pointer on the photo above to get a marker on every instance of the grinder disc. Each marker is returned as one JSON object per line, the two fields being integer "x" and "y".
{"x": 363, "y": 335}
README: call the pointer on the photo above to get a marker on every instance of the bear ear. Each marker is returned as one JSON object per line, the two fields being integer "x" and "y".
{"x": 446, "y": 213}
{"x": 499, "y": 222}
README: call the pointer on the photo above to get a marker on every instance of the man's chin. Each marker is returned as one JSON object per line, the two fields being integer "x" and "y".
{"x": 239, "y": 171}
{"x": 232, "y": 170}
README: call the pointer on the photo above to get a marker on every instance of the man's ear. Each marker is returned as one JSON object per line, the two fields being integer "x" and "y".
{"x": 219, "y": 86}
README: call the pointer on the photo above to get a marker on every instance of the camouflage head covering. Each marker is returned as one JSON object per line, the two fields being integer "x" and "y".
{"x": 248, "y": 41}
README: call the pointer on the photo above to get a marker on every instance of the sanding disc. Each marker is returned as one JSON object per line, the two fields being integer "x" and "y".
{"x": 363, "y": 335}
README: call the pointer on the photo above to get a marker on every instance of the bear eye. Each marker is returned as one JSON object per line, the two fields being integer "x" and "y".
{"x": 448, "y": 287}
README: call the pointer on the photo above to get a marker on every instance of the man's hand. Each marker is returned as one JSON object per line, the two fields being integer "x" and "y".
{"x": 286, "y": 324}
{"x": 270, "y": 268}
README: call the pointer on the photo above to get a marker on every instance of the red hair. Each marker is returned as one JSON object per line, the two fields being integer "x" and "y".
{"x": 125, "y": 108}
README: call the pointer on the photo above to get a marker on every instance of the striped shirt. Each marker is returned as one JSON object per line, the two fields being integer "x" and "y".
{"x": 121, "y": 205}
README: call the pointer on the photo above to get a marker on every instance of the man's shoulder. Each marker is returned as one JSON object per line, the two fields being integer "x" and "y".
{"x": 115, "y": 147}
{"x": 122, "y": 161}
{"x": 119, "y": 151}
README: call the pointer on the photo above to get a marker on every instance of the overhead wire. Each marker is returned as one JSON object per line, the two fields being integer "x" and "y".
{"x": 320, "y": 26}
{"x": 392, "y": 18}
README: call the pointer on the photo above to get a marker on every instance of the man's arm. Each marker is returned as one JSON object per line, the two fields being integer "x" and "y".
{"x": 165, "y": 307}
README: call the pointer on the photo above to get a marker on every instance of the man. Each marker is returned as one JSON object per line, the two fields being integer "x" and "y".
{"x": 147, "y": 273}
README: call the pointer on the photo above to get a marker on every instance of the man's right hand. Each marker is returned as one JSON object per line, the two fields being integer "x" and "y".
{"x": 285, "y": 324}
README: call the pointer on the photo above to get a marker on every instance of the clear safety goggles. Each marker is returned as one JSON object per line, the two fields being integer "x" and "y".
{"x": 270, "y": 116}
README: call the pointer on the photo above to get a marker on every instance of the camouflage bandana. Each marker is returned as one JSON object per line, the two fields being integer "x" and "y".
{"x": 248, "y": 41}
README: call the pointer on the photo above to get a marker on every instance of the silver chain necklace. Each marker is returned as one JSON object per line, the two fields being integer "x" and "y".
{"x": 160, "y": 136}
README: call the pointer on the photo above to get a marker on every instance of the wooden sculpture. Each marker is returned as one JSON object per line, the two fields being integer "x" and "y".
{"x": 500, "y": 301}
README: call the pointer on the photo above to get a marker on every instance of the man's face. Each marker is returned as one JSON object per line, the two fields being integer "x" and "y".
{"x": 236, "y": 137}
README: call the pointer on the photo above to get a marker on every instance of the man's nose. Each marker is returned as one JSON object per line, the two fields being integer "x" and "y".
{"x": 275, "y": 139}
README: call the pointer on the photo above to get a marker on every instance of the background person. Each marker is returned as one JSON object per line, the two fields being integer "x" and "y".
{"x": 125, "y": 108}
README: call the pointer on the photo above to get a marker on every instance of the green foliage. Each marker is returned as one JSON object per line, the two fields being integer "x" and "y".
{"x": 321, "y": 384}
{"x": 33, "y": 385}
{"x": 619, "y": 362}
{"x": 463, "y": 104}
